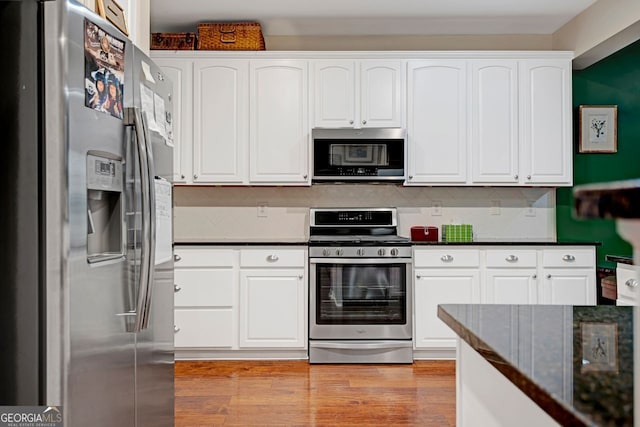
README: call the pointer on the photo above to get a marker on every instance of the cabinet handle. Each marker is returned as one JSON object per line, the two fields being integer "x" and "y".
{"x": 364, "y": 122}
{"x": 632, "y": 283}
{"x": 176, "y": 258}
{"x": 548, "y": 276}
{"x": 175, "y": 329}
{"x": 176, "y": 288}
{"x": 272, "y": 258}
{"x": 568, "y": 258}
{"x": 511, "y": 258}
{"x": 446, "y": 258}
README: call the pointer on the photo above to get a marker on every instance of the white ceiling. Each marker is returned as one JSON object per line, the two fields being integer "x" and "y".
{"x": 372, "y": 17}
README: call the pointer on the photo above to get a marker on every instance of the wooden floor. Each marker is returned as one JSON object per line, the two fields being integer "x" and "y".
{"x": 295, "y": 393}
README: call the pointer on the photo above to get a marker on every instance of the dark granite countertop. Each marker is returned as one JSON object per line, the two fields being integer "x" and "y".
{"x": 507, "y": 243}
{"x": 242, "y": 243}
{"x": 552, "y": 354}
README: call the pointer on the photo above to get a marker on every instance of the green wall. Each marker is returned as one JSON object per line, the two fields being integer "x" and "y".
{"x": 614, "y": 80}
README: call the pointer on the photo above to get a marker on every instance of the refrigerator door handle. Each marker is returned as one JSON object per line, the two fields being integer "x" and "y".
{"x": 133, "y": 117}
{"x": 151, "y": 242}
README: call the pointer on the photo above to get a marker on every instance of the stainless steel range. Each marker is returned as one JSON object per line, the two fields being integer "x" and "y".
{"x": 360, "y": 288}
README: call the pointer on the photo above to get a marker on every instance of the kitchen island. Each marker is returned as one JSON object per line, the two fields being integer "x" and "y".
{"x": 538, "y": 365}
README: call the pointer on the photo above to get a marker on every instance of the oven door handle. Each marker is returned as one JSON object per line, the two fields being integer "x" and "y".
{"x": 360, "y": 260}
{"x": 362, "y": 346}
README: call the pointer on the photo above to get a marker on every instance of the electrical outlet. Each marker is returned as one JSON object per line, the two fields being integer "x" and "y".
{"x": 436, "y": 208}
{"x": 495, "y": 207}
{"x": 262, "y": 210}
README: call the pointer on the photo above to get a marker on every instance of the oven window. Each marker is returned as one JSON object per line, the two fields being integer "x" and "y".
{"x": 350, "y": 294}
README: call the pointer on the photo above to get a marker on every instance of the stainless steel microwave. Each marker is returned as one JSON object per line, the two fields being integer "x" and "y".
{"x": 358, "y": 154}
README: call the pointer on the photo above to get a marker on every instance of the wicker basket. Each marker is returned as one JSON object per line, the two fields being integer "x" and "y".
{"x": 173, "y": 41}
{"x": 230, "y": 36}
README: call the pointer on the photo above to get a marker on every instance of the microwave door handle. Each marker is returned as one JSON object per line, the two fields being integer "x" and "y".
{"x": 134, "y": 118}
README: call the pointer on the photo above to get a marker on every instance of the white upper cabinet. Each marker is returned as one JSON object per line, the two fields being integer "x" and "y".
{"x": 357, "y": 94}
{"x": 221, "y": 121}
{"x": 545, "y": 122}
{"x": 180, "y": 73}
{"x": 278, "y": 123}
{"x": 437, "y": 121}
{"x": 494, "y": 122}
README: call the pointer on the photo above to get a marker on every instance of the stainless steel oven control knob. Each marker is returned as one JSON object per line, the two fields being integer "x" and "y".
{"x": 339, "y": 252}
{"x": 394, "y": 252}
{"x": 360, "y": 252}
{"x": 326, "y": 252}
{"x": 381, "y": 251}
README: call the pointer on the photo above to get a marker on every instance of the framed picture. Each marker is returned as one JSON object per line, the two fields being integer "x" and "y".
{"x": 598, "y": 129}
{"x": 599, "y": 347}
{"x": 114, "y": 13}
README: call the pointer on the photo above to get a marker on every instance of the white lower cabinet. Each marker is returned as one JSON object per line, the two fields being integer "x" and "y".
{"x": 494, "y": 275}
{"x": 240, "y": 302}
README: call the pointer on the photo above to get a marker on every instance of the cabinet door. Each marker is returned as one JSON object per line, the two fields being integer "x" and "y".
{"x": 204, "y": 328}
{"x": 441, "y": 286}
{"x": 273, "y": 308}
{"x": 568, "y": 286}
{"x": 334, "y": 94}
{"x": 437, "y": 122}
{"x": 510, "y": 286}
{"x": 494, "y": 122}
{"x": 220, "y": 121}
{"x": 545, "y": 122}
{"x": 180, "y": 72}
{"x": 381, "y": 94}
{"x": 279, "y": 132}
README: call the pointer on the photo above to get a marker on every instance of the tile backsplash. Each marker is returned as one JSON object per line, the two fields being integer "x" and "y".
{"x": 219, "y": 214}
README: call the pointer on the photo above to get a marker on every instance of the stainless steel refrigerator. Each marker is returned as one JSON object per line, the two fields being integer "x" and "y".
{"x": 87, "y": 264}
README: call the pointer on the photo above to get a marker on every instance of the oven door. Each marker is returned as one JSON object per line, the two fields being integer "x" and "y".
{"x": 360, "y": 298}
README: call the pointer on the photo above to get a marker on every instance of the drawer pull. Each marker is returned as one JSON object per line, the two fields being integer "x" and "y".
{"x": 272, "y": 258}
{"x": 446, "y": 258}
{"x": 176, "y": 258}
{"x": 511, "y": 258}
{"x": 568, "y": 258}
{"x": 176, "y": 329}
{"x": 176, "y": 288}
{"x": 632, "y": 283}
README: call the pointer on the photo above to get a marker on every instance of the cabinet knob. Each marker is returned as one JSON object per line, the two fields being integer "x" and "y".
{"x": 418, "y": 277}
{"x": 568, "y": 258}
{"x": 548, "y": 276}
{"x": 300, "y": 276}
{"x": 272, "y": 258}
{"x": 529, "y": 177}
{"x": 511, "y": 258}
{"x": 305, "y": 176}
{"x": 176, "y": 329}
{"x": 515, "y": 177}
{"x": 410, "y": 177}
{"x": 364, "y": 122}
{"x": 176, "y": 288}
{"x": 632, "y": 283}
{"x": 182, "y": 176}
{"x": 350, "y": 122}
{"x": 535, "y": 276}
{"x": 176, "y": 258}
{"x": 446, "y": 258}
{"x": 195, "y": 176}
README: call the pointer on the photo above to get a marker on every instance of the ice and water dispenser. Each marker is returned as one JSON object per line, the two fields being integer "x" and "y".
{"x": 105, "y": 215}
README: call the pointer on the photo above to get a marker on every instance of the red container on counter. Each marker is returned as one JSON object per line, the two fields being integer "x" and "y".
{"x": 423, "y": 233}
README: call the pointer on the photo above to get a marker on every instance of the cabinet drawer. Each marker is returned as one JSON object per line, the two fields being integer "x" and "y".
{"x": 511, "y": 259}
{"x": 446, "y": 258}
{"x": 273, "y": 258}
{"x": 204, "y": 257}
{"x": 569, "y": 258}
{"x": 202, "y": 287}
{"x": 628, "y": 282}
{"x": 203, "y": 328}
